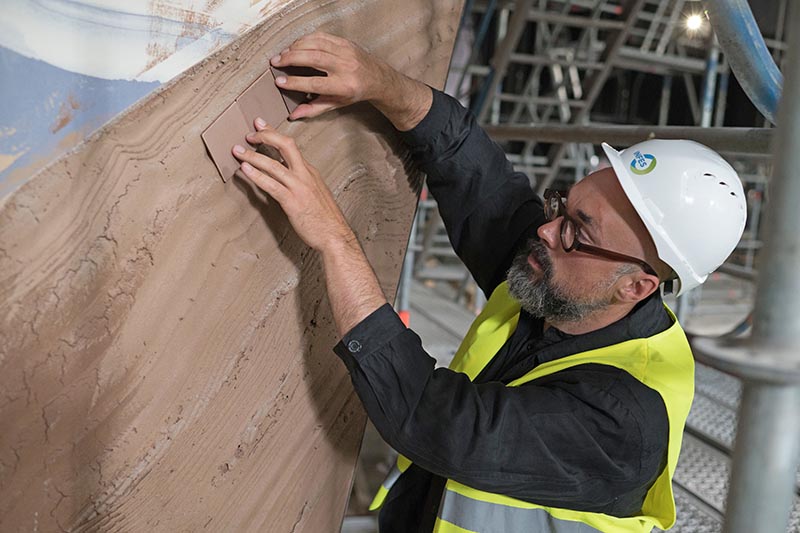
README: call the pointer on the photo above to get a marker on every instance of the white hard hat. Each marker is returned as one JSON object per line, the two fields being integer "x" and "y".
{"x": 689, "y": 198}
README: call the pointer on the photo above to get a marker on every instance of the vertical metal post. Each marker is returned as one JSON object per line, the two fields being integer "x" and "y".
{"x": 666, "y": 96}
{"x": 768, "y": 439}
{"x": 710, "y": 84}
{"x": 688, "y": 81}
{"x": 406, "y": 275}
{"x": 722, "y": 96}
{"x": 682, "y": 309}
{"x": 502, "y": 56}
{"x": 765, "y": 459}
{"x": 493, "y": 104}
{"x": 755, "y": 218}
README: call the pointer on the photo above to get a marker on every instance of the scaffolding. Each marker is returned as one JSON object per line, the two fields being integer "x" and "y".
{"x": 536, "y": 92}
{"x": 534, "y": 73}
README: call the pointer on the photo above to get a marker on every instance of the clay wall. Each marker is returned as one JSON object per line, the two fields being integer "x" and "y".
{"x": 165, "y": 339}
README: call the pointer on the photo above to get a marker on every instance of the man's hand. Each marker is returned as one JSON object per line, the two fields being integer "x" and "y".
{"x": 353, "y": 75}
{"x": 297, "y": 187}
{"x": 353, "y": 289}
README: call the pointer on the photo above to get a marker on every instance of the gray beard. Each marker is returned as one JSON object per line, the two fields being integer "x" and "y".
{"x": 540, "y": 297}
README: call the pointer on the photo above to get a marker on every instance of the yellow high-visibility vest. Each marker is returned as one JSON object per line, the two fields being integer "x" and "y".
{"x": 663, "y": 362}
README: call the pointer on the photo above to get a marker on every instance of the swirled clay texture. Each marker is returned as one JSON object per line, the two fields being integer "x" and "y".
{"x": 165, "y": 339}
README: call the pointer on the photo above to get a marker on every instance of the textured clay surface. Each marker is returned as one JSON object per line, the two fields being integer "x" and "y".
{"x": 165, "y": 339}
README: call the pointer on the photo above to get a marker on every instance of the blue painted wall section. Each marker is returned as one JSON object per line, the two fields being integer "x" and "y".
{"x": 43, "y": 108}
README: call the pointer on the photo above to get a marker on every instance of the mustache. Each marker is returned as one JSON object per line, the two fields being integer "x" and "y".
{"x": 538, "y": 251}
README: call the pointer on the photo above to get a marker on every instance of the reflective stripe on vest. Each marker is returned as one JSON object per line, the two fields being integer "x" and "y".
{"x": 460, "y": 513}
{"x": 663, "y": 362}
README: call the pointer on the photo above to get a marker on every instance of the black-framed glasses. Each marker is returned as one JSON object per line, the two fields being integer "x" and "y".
{"x": 555, "y": 205}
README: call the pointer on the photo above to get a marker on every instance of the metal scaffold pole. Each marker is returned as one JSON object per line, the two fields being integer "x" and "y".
{"x": 767, "y": 449}
{"x": 768, "y": 443}
{"x": 741, "y": 40}
{"x": 742, "y": 140}
{"x": 765, "y": 459}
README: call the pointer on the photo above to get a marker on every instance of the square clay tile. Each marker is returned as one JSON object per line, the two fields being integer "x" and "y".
{"x": 228, "y": 129}
{"x": 262, "y": 99}
{"x": 292, "y": 99}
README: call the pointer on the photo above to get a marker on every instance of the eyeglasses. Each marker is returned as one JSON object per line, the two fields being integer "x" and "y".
{"x": 555, "y": 205}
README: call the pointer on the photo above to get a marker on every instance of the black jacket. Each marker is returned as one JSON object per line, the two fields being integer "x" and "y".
{"x": 591, "y": 437}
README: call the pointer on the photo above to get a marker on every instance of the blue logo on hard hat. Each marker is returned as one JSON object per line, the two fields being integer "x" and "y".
{"x": 642, "y": 163}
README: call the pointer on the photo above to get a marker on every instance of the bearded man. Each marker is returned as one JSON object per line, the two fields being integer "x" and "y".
{"x": 563, "y": 409}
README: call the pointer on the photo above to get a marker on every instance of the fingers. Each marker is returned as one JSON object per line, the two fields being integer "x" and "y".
{"x": 264, "y": 164}
{"x": 314, "y": 108}
{"x": 285, "y": 145}
{"x": 317, "y": 59}
{"x": 309, "y": 84}
{"x": 266, "y": 183}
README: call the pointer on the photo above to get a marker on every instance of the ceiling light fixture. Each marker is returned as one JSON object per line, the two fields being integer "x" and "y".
{"x": 694, "y": 22}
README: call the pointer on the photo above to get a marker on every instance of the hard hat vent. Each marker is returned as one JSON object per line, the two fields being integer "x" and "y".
{"x": 723, "y": 183}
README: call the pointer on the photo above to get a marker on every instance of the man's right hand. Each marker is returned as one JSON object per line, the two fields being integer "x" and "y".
{"x": 353, "y": 75}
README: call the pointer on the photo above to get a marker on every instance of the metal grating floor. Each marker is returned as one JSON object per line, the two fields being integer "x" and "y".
{"x": 694, "y": 516}
{"x": 712, "y": 420}
{"x": 701, "y": 478}
{"x": 720, "y": 387}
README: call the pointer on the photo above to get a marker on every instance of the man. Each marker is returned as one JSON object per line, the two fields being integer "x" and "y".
{"x": 564, "y": 407}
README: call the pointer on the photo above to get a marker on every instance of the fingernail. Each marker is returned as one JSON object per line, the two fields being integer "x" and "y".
{"x": 238, "y": 149}
{"x": 247, "y": 167}
{"x": 275, "y": 60}
{"x": 261, "y": 123}
{"x": 280, "y": 80}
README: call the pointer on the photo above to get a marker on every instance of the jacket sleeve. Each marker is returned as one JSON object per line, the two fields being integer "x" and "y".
{"x": 488, "y": 209}
{"x": 579, "y": 438}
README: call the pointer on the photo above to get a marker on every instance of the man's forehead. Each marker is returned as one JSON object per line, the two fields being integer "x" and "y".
{"x": 606, "y": 201}
{"x": 601, "y": 185}
{"x": 597, "y": 196}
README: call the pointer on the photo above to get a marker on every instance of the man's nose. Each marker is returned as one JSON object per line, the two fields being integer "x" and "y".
{"x": 550, "y": 233}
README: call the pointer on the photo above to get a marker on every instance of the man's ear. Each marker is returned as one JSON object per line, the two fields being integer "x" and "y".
{"x": 636, "y": 287}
